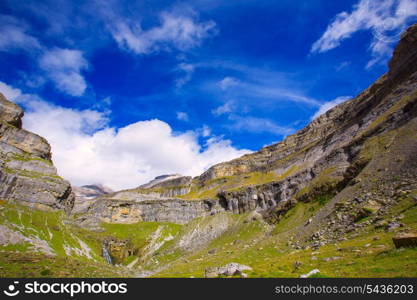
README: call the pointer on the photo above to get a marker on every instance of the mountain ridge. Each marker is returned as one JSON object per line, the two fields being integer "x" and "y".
{"x": 332, "y": 197}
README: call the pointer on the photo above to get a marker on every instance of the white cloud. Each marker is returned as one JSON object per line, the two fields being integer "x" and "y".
{"x": 343, "y": 65}
{"x": 13, "y": 35}
{"x": 63, "y": 67}
{"x": 182, "y": 116}
{"x": 227, "y": 82}
{"x": 329, "y": 105}
{"x": 9, "y": 92}
{"x": 258, "y": 125}
{"x": 226, "y": 108}
{"x": 205, "y": 131}
{"x": 187, "y": 70}
{"x": 179, "y": 31}
{"x": 86, "y": 149}
{"x": 385, "y": 18}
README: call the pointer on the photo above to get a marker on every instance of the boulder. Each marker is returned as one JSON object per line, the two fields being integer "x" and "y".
{"x": 231, "y": 269}
{"x": 405, "y": 240}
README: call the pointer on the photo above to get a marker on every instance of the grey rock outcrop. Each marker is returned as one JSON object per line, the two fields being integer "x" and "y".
{"x": 156, "y": 210}
{"x": 320, "y": 160}
{"x": 10, "y": 112}
{"x": 231, "y": 269}
{"x": 86, "y": 195}
{"x": 166, "y": 180}
{"x": 91, "y": 191}
{"x": 27, "y": 174}
{"x": 408, "y": 239}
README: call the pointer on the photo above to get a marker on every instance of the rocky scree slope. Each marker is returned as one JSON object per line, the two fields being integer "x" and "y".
{"x": 27, "y": 174}
{"x": 321, "y": 160}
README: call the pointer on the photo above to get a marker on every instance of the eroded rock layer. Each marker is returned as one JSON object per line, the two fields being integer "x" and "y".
{"x": 320, "y": 160}
{"x": 27, "y": 174}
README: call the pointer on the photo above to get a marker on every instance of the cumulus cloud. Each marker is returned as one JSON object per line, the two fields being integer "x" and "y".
{"x": 63, "y": 67}
{"x": 385, "y": 18}
{"x": 329, "y": 105}
{"x": 178, "y": 31}
{"x": 86, "y": 149}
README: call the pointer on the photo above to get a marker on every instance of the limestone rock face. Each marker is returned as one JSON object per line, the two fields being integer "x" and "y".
{"x": 27, "y": 174}
{"x": 157, "y": 210}
{"x": 321, "y": 160}
{"x": 405, "y": 54}
{"x": 86, "y": 195}
{"x": 10, "y": 112}
{"x": 162, "y": 187}
{"x": 167, "y": 180}
{"x": 332, "y": 150}
{"x": 91, "y": 191}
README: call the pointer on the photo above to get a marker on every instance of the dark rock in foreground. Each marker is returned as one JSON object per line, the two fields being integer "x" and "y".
{"x": 405, "y": 240}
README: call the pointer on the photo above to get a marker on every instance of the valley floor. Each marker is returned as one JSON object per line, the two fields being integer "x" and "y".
{"x": 170, "y": 250}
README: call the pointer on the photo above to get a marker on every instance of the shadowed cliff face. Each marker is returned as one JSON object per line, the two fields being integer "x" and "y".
{"x": 27, "y": 174}
{"x": 320, "y": 160}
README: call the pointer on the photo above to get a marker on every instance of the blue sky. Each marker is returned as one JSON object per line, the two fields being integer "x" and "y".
{"x": 127, "y": 90}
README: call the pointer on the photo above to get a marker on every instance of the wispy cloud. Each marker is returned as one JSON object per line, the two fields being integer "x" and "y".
{"x": 9, "y": 92}
{"x": 264, "y": 85}
{"x": 329, "y": 105}
{"x": 180, "y": 31}
{"x": 386, "y": 19}
{"x": 182, "y": 116}
{"x": 258, "y": 125}
{"x": 14, "y": 35}
{"x": 226, "y": 108}
{"x": 63, "y": 67}
{"x": 186, "y": 70}
{"x": 227, "y": 82}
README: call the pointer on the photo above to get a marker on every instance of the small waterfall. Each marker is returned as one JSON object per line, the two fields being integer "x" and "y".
{"x": 106, "y": 255}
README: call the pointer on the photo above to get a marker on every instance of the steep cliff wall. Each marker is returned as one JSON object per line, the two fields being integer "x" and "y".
{"x": 156, "y": 210}
{"x": 328, "y": 153}
{"x": 320, "y": 160}
{"x": 27, "y": 174}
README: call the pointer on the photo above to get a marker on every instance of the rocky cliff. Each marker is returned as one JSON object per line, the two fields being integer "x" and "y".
{"x": 86, "y": 195}
{"x": 27, "y": 174}
{"x": 320, "y": 160}
{"x": 336, "y": 199}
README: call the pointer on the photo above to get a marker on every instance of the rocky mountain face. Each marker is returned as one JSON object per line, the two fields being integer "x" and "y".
{"x": 91, "y": 191}
{"x": 321, "y": 160}
{"x": 27, "y": 174}
{"x": 339, "y": 195}
{"x": 86, "y": 195}
{"x": 165, "y": 180}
